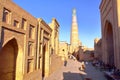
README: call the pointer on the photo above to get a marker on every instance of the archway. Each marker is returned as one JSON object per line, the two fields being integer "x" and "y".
{"x": 109, "y": 43}
{"x": 8, "y": 57}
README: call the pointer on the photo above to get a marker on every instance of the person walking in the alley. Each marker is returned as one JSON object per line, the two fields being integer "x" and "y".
{"x": 65, "y": 63}
{"x": 82, "y": 67}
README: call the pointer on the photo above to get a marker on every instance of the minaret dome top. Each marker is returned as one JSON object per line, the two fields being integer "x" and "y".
{"x": 74, "y": 11}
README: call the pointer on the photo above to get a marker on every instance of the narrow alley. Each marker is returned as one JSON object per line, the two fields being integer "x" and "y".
{"x": 71, "y": 71}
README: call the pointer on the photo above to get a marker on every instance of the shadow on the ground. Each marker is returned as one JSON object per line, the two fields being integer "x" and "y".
{"x": 71, "y": 76}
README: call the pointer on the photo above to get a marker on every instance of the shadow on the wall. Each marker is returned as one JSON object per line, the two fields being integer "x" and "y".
{"x": 1, "y": 37}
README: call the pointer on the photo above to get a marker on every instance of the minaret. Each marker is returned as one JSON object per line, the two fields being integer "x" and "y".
{"x": 74, "y": 40}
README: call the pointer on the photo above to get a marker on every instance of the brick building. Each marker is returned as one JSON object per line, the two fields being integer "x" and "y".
{"x": 25, "y": 44}
{"x": 110, "y": 27}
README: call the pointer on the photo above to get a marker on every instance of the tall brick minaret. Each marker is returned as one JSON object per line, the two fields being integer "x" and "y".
{"x": 74, "y": 39}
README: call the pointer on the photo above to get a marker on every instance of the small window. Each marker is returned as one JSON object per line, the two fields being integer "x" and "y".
{"x": 16, "y": 23}
{"x": 24, "y": 23}
{"x": 31, "y": 32}
{"x": 30, "y": 49}
{"x": 6, "y": 16}
{"x": 30, "y": 66}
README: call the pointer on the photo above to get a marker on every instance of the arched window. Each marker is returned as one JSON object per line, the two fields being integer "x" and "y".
{"x": 16, "y": 23}
{"x": 30, "y": 49}
{"x": 31, "y": 32}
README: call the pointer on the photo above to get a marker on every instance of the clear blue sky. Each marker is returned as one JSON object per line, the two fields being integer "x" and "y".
{"x": 88, "y": 16}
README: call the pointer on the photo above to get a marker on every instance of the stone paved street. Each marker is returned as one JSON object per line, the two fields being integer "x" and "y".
{"x": 93, "y": 73}
{"x": 71, "y": 72}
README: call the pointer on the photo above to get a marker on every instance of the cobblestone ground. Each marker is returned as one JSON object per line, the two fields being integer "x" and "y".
{"x": 71, "y": 71}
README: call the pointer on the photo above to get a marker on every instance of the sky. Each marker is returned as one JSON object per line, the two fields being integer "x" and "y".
{"x": 88, "y": 16}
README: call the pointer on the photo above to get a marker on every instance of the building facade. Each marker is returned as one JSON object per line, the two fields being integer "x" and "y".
{"x": 25, "y": 44}
{"x": 55, "y": 59}
{"x": 110, "y": 27}
{"x": 18, "y": 43}
{"x": 55, "y": 36}
{"x": 43, "y": 47}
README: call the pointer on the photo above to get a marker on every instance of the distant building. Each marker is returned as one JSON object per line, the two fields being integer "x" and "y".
{"x": 86, "y": 54}
{"x": 63, "y": 50}
{"x": 98, "y": 49}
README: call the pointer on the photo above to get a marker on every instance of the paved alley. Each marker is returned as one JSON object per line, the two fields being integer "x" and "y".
{"x": 71, "y": 72}
{"x": 93, "y": 73}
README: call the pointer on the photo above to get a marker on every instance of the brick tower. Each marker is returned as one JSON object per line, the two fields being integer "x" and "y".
{"x": 74, "y": 40}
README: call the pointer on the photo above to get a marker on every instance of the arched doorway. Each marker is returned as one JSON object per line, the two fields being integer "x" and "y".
{"x": 109, "y": 43}
{"x": 8, "y": 56}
